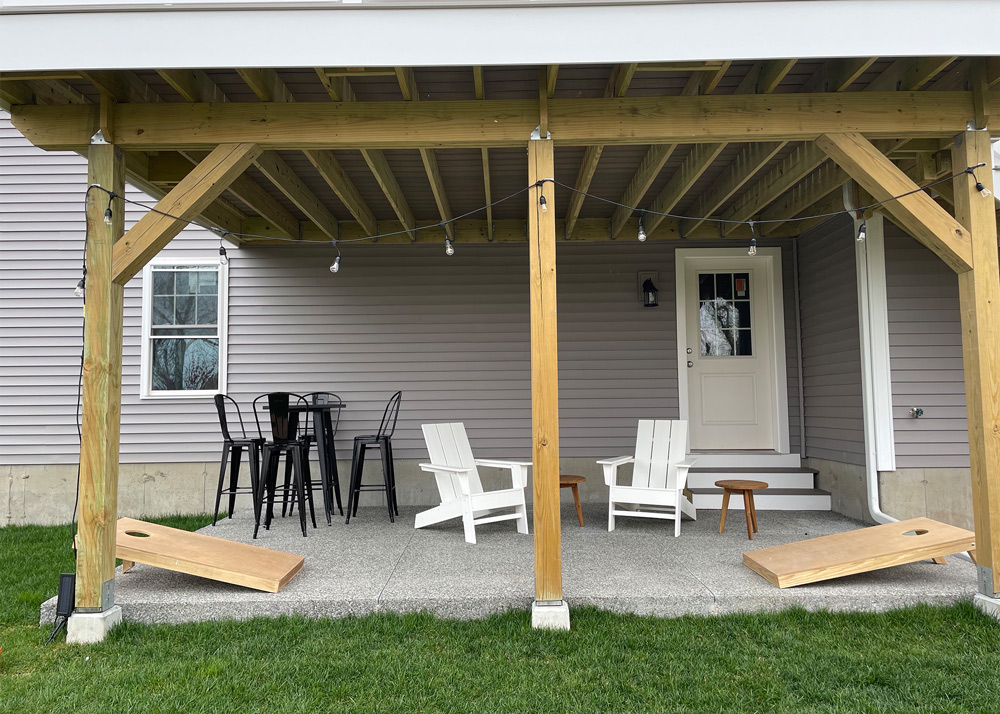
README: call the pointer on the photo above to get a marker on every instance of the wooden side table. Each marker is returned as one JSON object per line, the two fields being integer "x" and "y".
{"x": 747, "y": 488}
{"x": 569, "y": 481}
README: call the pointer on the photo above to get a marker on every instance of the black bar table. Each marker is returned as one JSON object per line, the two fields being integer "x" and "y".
{"x": 325, "y": 447}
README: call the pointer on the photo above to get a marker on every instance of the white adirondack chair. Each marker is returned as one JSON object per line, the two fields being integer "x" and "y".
{"x": 658, "y": 476}
{"x": 458, "y": 482}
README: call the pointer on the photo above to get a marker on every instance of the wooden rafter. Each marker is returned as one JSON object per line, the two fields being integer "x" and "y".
{"x": 408, "y": 87}
{"x": 269, "y": 87}
{"x": 694, "y": 165}
{"x": 836, "y": 75}
{"x": 621, "y": 76}
{"x": 289, "y": 183}
{"x": 908, "y": 75}
{"x": 472, "y": 123}
{"x": 122, "y": 86}
{"x": 339, "y": 89}
{"x": 480, "y": 86}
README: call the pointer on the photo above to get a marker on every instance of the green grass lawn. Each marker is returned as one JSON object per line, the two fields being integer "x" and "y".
{"x": 923, "y": 659}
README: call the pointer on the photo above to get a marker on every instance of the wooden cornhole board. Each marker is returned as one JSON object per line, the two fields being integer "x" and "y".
{"x": 873, "y": 548}
{"x": 204, "y": 556}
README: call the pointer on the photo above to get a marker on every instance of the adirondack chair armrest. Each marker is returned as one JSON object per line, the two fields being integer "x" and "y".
{"x": 686, "y": 463}
{"x": 611, "y": 468}
{"x": 446, "y": 469}
{"x": 518, "y": 469}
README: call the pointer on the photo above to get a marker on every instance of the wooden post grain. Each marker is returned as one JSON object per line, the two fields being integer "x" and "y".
{"x": 979, "y": 294}
{"x": 102, "y": 378}
{"x": 544, "y": 373}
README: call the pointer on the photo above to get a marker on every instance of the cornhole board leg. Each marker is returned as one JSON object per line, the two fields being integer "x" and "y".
{"x": 205, "y": 556}
{"x": 860, "y": 551}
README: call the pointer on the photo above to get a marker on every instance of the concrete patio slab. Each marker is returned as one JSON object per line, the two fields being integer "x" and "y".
{"x": 371, "y": 565}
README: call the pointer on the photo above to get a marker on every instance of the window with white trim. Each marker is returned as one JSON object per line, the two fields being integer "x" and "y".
{"x": 184, "y": 328}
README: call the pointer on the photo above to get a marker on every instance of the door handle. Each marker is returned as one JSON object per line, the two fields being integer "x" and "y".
{"x": 690, "y": 363}
{"x": 689, "y": 350}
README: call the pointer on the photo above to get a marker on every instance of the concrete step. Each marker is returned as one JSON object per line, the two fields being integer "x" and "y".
{"x": 745, "y": 459}
{"x": 767, "y": 499}
{"x": 773, "y": 477}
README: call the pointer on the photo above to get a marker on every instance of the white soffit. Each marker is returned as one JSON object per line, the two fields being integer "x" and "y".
{"x": 52, "y": 34}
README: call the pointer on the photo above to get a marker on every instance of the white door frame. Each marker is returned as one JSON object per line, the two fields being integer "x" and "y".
{"x": 770, "y": 259}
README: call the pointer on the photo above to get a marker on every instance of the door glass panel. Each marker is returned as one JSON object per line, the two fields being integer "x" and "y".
{"x": 724, "y": 314}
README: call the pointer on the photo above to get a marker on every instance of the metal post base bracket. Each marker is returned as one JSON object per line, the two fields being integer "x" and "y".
{"x": 985, "y": 581}
{"x": 550, "y": 615}
{"x": 84, "y": 628}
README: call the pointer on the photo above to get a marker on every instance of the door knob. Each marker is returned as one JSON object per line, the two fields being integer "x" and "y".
{"x": 690, "y": 363}
{"x": 689, "y": 350}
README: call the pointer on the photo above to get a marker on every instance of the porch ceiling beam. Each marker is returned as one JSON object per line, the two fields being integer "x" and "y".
{"x": 617, "y": 85}
{"x": 269, "y": 87}
{"x": 193, "y": 84}
{"x": 919, "y": 214}
{"x": 186, "y": 200}
{"x": 576, "y": 122}
{"x": 908, "y": 75}
{"x": 836, "y": 75}
{"x": 480, "y": 87}
{"x": 695, "y": 164}
{"x": 817, "y": 186}
{"x": 254, "y": 195}
{"x": 288, "y": 182}
{"x": 339, "y": 89}
{"x": 771, "y": 74}
{"x": 408, "y": 87}
{"x": 15, "y": 92}
{"x": 747, "y": 163}
{"x": 124, "y": 87}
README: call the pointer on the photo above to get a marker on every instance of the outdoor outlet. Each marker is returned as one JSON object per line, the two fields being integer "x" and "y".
{"x": 67, "y": 595}
{"x": 916, "y": 412}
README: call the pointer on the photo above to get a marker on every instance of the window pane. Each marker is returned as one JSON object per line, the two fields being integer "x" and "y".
{"x": 743, "y": 313}
{"x": 163, "y": 310}
{"x": 724, "y": 285}
{"x": 716, "y": 341}
{"x": 208, "y": 310}
{"x": 185, "y": 364}
{"x": 163, "y": 283}
{"x": 185, "y": 331}
{"x": 184, "y": 310}
{"x": 208, "y": 282}
{"x": 743, "y": 343}
{"x": 706, "y": 286}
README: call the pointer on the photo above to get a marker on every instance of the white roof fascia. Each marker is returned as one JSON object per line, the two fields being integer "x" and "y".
{"x": 244, "y": 35}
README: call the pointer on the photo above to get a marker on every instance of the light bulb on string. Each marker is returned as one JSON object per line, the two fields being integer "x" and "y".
{"x": 81, "y": 287}
{"x": 335, "y": 265}
{"x": 983, "y": 191}
{"x": 449, "y": 249}
{"x": 107, "y": 216}
{"x": 642, "y": 231}
{"x": 543, "y": 203}
{"x": 862, "y": 234}
{"x": 223, "y": 258}
{"x": 752, "y": 250}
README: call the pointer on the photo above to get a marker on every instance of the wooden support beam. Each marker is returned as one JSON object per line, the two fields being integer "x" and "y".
{"x": 817, "y": 186}
{"x": 543, "y": 103}
{"x": 711, "y": 79}
{"x": 979, "y": 79}
{"x": 746, "y": 165}
{"x": 477, "y": 82}
{"x": 186, "y": 200}
{"x": 621, "y": 76}
{"x": 494, "y": 123}
{"x": 979, "y": 296}
{"x": 796, "y": 166}
{"x": 909, "y": 74}
{"x": 289, "y": 183}
{"x": 266, "y": 84}
{"x": 544, "y": 374}
{"x": 193, "y": 84}
{"x": 841, "y": 74}
{"x": 652, "y": 163}
{"x": 918, "y": 212}
{"x": 15, "y": 92}
{"x": 772, "y": 73}
{"x": 102, "y": 387}
{"x": 477, "y": 73}
{"x": 696, "y": 163}
{"x": 124, "y": 87}
{"x": 338, "y": 180}
{"x": 551, "y": 74}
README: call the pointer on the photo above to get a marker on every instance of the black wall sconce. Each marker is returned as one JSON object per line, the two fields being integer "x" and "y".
{"x": 650, "y": 294}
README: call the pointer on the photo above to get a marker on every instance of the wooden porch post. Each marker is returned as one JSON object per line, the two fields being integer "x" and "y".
{"x": 102, "y": 376}
{"x": 549, "y": 610}
{"x": 979, "y": 293}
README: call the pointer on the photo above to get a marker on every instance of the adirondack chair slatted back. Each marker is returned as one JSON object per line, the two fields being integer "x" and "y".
{"x": 659, "y": 446}
{"x": 448, "y": 445}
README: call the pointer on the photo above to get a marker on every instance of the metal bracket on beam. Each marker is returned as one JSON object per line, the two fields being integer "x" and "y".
{"x": 549, "y": 603}
{"x": 536, "y": 135}
{"x": 98, "y": 138}
{"x": 986, "y": 581}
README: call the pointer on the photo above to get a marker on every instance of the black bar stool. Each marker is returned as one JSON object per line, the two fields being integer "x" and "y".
{"x": 284, "y": 442}
{"x": 229, "y": 410}
{"x": 383, "y": 442}
{"x": 330, "y": 484}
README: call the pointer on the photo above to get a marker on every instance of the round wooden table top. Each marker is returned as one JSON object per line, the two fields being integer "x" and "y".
{"x": 740, "y": 485}
{"x": 569, "y": 480}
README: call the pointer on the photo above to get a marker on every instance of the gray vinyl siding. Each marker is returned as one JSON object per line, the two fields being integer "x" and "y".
{"x": 831, "y": 347}
{"x": 925, "y": 348}
{"x": 452, "y": 333}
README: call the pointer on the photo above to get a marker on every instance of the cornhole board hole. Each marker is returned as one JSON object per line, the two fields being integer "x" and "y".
{"x": 860, "y": 551}
{"x": 204, "y": 556}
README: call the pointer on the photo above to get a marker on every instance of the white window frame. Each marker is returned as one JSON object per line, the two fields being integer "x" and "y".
{"x": 145, "y": 371}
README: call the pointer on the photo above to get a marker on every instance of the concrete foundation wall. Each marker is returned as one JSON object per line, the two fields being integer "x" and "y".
{"x": 44, "y": 494}
{"x": 942, "y": 494}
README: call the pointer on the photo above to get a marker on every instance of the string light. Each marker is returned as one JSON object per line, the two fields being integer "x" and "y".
{"x": 544, "y": 207}
{"x": 81, "y": 287}
{"x": 861, "y": 233}
{"x": 223, "y": 258}
{"x": 752, "y": 250}
{"x": 335, "y": 265}
{"x": 983, "y": 191}
{"x": 107, "y": 211}
{"x": 449, "y": 249}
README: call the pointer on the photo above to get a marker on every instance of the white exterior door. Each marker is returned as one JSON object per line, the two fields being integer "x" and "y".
{"x": 729, "y": 339}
